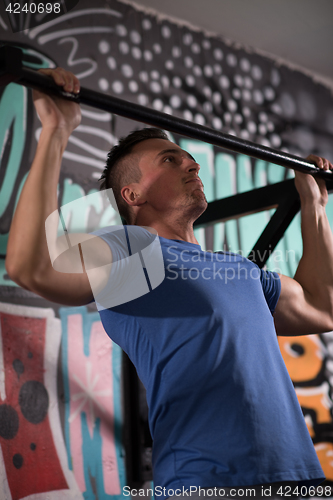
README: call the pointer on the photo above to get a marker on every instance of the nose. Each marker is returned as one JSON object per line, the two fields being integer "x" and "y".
{"x": 191, "y": 165}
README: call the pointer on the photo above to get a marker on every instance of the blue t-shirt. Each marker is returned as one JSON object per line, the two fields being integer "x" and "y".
{"x": 222, "y": 407}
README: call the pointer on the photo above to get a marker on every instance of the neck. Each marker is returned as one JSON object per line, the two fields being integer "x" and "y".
{"x": 170, "y": 228}
{"x": 174, "y": 233}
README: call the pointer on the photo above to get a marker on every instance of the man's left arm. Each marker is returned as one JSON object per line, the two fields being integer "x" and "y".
{"x": 305, "y": 305}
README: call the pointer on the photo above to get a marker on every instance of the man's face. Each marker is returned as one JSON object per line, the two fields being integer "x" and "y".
{"x": 170, "y": 178}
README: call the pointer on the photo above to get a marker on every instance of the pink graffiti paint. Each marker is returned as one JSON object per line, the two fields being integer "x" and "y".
{"x": 91, "y": 392}
{"x": 30, "y": 457}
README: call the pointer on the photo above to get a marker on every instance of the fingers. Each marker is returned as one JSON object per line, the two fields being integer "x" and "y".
{"x": 320, "y": 162}
{"x": 63, "y": 78}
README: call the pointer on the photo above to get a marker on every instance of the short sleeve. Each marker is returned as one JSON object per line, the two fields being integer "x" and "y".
{"x": 125, "y": 240}
{"x": 137, "y": 265}
{"x": 115, "y": 237}
{"x": 271, "y": 285}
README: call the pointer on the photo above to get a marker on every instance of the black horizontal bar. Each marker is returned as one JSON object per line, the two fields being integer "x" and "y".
{"x": 12, "y": 69}
{"x": 247, "y": 203}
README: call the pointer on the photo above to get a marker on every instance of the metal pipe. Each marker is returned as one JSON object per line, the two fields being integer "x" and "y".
{"x": 11, "y": 69}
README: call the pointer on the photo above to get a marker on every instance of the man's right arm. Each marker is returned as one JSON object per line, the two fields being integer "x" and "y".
{"x": 28, "y": 261}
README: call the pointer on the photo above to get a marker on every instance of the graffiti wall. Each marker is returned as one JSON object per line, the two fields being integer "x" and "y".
{"x": 80, "y": 456}
{"x": 60, "y": 390}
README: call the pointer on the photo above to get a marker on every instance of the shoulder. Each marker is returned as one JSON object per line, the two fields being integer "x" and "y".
{"x": 126, "y": 240}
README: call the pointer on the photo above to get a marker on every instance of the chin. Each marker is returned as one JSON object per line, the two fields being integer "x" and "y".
{"x": 201, "y": 198}
{"x": 200, "y": 204}
{"x": 195, "y": 203}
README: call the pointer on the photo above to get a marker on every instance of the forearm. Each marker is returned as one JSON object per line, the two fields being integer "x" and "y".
{"x": 315, "y": 270}
{"x": 27, "y": 252}
{"x": 305, "y": 305}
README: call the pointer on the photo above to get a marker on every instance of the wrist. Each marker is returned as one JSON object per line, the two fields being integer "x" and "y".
{"x": 58, "y": 135}
{"x": 312, "y": 208}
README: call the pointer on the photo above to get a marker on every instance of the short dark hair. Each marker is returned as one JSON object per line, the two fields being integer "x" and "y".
{"x": 117, "y": 174}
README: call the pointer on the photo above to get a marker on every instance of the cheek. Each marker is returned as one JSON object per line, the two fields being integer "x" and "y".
{"x": 164, "y": 184}
{"x": 169, "y": 189}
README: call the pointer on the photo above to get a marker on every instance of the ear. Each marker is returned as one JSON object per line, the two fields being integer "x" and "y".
{"x": 132, "y": 195}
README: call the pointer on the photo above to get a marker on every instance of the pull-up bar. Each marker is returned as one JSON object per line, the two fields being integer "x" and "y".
{"x": 12, "y": 70}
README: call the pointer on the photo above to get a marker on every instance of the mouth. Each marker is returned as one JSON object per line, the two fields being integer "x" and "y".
{"x": 195, "y": 179}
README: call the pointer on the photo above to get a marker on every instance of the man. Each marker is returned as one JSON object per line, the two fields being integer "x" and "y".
{"x": 222, "y": 409}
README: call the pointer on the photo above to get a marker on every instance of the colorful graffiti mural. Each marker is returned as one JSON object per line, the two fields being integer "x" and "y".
{"x": 31, "y": 444}
{"x": 308, "y": 361}
{"x": 37, "y": 456}
{"x": 91, "y": 364}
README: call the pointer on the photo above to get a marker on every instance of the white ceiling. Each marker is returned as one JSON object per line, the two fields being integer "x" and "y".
{"x": 297, "y": 31}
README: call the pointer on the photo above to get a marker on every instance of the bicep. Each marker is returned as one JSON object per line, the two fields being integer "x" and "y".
{"x": 66, "y": 289}
{"x": 298, "y": 312}
{"x": 67, "y": 281}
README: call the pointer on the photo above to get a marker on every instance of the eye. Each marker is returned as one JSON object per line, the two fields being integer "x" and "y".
{"x": 169, "y": 159}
